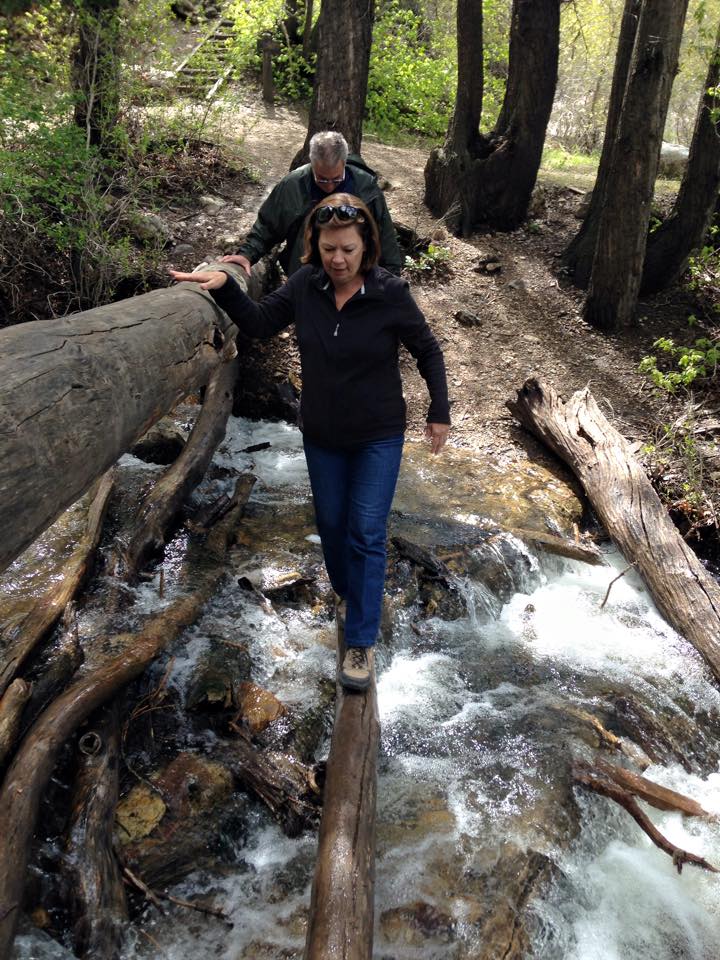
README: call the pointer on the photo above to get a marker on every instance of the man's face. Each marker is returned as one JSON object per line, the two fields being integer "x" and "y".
{"x": 328, "y": 178}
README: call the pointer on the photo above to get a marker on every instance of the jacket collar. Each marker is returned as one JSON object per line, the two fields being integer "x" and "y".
{"x": 373, "y": 287}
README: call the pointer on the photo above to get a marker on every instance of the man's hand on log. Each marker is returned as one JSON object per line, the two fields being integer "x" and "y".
{"x": 437, "y": 434}
{"x": 238, "y": 258}
{"x": 208, "y": 279}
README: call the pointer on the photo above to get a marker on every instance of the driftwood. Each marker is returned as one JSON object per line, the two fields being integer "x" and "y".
{"x": 582, "y": 550}
{"x": 285, "y": 785}
{"x": 662, "y": 798}
{"x": 598, "y": 781}
{"x": 63, "y": 659}
{"x": 624, "y": 500}
{"x": 162, "y": 505}
{"x": 342, "y": 902}
{"x": 34, "y": 762}
{"x": 12, "y": 704}
{"x": 91, "y": 869}
{"x": 77, "y": 392}
{"x": 23, "y": 638}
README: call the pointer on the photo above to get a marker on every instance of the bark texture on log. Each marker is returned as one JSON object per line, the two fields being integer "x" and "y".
{"x": 93, "y": 873}
{"x": 11, "y": 707}
{"x": 23, "y": 639}
{"x": 77, "y": 392}
{"x": 630, "y": 510}
{"x": 342, "y": 903}
{"x": 32, "y": 767}
{"x": 162, "y": 505}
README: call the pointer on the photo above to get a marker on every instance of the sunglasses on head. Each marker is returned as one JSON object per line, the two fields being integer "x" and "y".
{"x": 344, "y": 213}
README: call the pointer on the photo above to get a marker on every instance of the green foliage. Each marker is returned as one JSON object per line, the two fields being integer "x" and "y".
{"x": 410, "y": 86}
{"x": 292, "y": 73}
{"x": 687, "y": 364}
{"x": 431, "y": 262}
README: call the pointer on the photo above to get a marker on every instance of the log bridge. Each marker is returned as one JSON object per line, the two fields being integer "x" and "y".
{"x": 75, "y": 394}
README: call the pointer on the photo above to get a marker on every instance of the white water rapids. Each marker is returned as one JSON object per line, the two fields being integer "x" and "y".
{"x": 478, "y": 732}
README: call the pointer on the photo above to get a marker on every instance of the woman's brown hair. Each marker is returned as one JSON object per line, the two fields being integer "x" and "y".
{"x": 365, "y": 223}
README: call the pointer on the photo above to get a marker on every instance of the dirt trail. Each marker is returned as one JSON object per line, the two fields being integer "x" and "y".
{"x": 528, "y": 317}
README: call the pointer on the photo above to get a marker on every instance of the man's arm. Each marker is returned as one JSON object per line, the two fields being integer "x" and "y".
{"x": 269, "y": 227}
{"x": 391, "y": 257}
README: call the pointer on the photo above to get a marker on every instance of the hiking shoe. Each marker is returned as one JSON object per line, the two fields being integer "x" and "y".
{"x": 356, "y": 668}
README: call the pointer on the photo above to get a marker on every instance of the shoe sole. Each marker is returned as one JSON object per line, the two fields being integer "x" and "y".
{"x": 347, "y": 683}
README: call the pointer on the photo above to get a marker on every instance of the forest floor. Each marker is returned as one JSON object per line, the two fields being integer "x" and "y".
{"x": 527, "y": 316}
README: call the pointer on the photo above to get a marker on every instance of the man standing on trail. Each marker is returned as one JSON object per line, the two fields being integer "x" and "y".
{"x": 282, "y": 215}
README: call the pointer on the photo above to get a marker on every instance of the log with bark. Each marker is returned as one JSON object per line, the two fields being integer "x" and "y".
{"x": 129, "y": 656}
{"x": 629, "y": 508}
{"x": 342, "y": 901}
{"x": 12, "y": 704}
{"x": 77, "y": 392}
{"x": 162, "y": 505}
{"x": 22, "y": 639}
{"x": 91, "y": 869}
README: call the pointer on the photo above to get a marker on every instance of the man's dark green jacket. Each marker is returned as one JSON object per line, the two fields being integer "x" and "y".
{"x": 282, "y": 215}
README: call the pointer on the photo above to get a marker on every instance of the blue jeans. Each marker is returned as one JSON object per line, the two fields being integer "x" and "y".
{"x": 352, "y": 493}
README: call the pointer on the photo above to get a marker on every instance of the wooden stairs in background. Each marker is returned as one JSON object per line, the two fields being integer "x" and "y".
{"x": 206, "y": 67}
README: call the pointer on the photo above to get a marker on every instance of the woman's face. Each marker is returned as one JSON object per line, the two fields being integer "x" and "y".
{"x": 341, "y": 252}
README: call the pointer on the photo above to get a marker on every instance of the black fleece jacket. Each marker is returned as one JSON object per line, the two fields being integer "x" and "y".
{"x": 352, "y": 390}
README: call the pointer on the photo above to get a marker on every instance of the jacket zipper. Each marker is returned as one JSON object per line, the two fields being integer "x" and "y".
{"x": 337, "y": 327}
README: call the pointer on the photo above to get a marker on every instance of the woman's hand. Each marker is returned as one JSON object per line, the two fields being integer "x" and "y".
{"x": 437, "y": 434}
{"x": 208, "y": 279}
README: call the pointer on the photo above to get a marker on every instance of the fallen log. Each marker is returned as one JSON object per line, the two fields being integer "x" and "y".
{"x": 342, "y": 901}
{"x": 21, "y": 640}
{"x": 33, "y": 764}
{"x": 285, "y": 785}
{"x": 597, "y": 782}
{"x": 662, "y": 798}
{"x": 630, "y": 510}
{"x": 91, "y": 868}
{"x": 12, "y": 704}
{"x": 155, "y": 517}
{"x": 77, "y": 392}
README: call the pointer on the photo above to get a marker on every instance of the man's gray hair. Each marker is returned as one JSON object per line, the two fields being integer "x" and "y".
{"x": 328, "y": 148}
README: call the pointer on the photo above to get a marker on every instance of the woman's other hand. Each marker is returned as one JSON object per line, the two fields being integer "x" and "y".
{"x": 208, "y": 279}
{"x": 437, "y": 434}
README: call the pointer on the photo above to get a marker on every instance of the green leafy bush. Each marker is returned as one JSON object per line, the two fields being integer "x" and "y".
{"x": 410, "y": 86}
{"x": 431, "y": 262}
{"x": 687, "y": 364}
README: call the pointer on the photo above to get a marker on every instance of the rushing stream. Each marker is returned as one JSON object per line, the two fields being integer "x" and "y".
{"x": 482, "y": 838}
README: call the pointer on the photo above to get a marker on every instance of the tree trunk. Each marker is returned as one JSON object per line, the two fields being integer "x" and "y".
{"x": 341, "y": 74}
{"x": 96, "y": 71}
{"x": 630, "y": 510}
{"x": 578, "y": 256}
{"x": 495, "y": 188}
{"x": 77, "y": 392}
{"x": 672, "y": 243}
{"x": 28, "y": 775}
{"x": 448, "y": 166}
{"x": 342, "y": 901}
{"x": 635, "y": 154}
